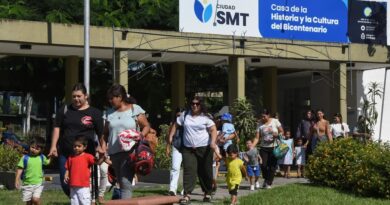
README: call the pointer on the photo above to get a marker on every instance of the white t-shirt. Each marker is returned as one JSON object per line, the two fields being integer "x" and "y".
{"x": 195, "y": 129}
{"x": 266, "y": 131}
{"x": 337, "y": 129}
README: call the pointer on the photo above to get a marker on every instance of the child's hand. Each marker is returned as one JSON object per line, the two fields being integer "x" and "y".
{"x": 66, "y": 177}
{"x": 17, "y": 184}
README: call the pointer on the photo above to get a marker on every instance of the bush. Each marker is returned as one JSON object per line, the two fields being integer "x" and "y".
{"x": 9, "y": 158}
{"x": 350, "y": 165}
{"x": 161, "y": 161}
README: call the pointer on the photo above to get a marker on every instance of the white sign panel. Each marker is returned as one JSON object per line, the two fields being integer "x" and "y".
{"x": 229, "y": 17}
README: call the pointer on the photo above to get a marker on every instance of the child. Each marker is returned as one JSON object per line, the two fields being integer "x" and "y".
{"x": 252, "y": 159}
{"x": 31, "y": 173}
{"x": 236, "y": 169}
{"x": 228, "y": 133}
{"x": 78, "y": 173}
{"x": 287, "y": 160}
{"x": 300, "y": 154}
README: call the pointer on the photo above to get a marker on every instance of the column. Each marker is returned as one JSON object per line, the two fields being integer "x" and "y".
{"x": 236, "y": 79}
{"x": 121, "y": 68}
{"x": 270, "y": 88}
{"x": 178, "y": 85}
{"x": 338, "y": 99}
{"x": 71, "y": 76}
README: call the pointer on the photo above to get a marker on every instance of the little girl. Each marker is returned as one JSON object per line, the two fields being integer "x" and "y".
{"x": 300, "y": 155}
{"x": 287, "y": 160}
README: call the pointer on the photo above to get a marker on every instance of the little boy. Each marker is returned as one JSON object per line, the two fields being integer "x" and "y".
{"x": 30, "y": 171}
{"x": 228, "y": 133}
{"x": 78, "y": 172}
{"x": 252, "y": 160}
{"x": 236, "y": 170}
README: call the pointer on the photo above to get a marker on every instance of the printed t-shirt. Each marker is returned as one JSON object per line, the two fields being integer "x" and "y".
{"x": 266, "y": 131}
{"x": 227, "y": 129}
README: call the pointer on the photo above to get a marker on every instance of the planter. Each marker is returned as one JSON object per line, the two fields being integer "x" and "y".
{"x": 8, "y": 179}
{"x": 159, "y": 176}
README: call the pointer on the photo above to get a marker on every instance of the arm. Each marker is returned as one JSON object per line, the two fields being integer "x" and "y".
{"x": 17, "y": 177}
{"x": 144, "y": 124}
{"x": 213, "y": 134}
{"x": 243, "y": 170}
{"x": 103, "y": 140}
{"x": 327, "y": 132}
{"x": 53, "y": 148}
{"x": 256, "y": 139}
{"x": 66, "y": 177}
{"x": 171, "y": 132}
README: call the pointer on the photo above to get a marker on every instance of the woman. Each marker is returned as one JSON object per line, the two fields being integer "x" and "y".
{"x": 338, "y": 128}
{"x": 76, "y": 119}
{"x": 320, "y": 131}
{"x": 199, "y": 138}
{"x": 174, "y": 144}
{"x": 266, "y": 133}
{"x": 126, "y": 115}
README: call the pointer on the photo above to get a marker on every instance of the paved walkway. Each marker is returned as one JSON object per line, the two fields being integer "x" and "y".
{"x": 197, "y": 195}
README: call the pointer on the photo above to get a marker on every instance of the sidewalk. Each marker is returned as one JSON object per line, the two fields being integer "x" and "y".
{"x": 222, "y": 192}
{"x": 197, "y": 194}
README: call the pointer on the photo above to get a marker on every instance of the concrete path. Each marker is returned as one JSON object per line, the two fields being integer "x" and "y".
{"x": 222, "y": 191}
{"x": 197, "y": 195}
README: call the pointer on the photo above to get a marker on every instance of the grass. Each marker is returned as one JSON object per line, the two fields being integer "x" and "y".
{"x": 305, "y": 194}
{"x": 57, "y": 197}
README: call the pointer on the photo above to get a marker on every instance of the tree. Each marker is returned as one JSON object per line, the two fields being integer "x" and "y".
{"x": 369, "y": 111}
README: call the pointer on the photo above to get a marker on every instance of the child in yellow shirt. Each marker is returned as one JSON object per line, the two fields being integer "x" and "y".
{"x": 236, "y": 170}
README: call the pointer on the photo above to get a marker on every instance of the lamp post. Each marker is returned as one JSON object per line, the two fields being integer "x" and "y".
{"x": 86, "y": 45}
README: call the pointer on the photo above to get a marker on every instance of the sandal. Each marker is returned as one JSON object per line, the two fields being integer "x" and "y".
{"x": 207, "y": 198}
{"x": 185, "y": 200}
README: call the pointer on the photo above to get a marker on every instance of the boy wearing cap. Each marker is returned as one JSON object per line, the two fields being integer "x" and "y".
{"x": 228, "y": 133}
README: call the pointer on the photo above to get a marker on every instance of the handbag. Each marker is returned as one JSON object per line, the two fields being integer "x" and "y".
{"x": 178, "y": 141}
{"x": 281, "y": 149}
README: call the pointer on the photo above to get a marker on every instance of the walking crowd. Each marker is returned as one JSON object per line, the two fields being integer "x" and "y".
{"x": 84, "y": 140}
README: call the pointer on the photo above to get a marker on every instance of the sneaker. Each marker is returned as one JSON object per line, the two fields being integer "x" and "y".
{"x": 268, "y": 186}
{"x": 252, "y": 188}
{"x": 171, "y": 193}
{"x": 257, "y": 185}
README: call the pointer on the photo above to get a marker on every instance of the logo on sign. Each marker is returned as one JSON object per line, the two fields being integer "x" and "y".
{"x": 203, "y": 11}
{"x": 367, "y": 12}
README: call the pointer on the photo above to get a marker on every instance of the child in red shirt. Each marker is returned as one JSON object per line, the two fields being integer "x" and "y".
{"x": 78, "y": 173}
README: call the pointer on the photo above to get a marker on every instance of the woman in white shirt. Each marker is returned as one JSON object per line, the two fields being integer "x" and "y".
{"x": 338, "y": 128}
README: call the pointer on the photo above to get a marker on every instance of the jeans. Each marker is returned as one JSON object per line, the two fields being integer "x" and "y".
{"x": 175, "y": 169}
{"x": 124, "y": 172}
{"x": 61, "y": 163}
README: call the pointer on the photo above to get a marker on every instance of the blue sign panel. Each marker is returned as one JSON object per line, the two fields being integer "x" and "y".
{"x": 310, "y": 20}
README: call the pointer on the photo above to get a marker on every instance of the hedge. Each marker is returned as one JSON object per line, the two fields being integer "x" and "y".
{"x": 347, "y": 164}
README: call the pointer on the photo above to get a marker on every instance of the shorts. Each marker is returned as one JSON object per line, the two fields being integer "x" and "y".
{"x": 253, "y": 170}
{"x": 31, "y": 191}
{"x": 234, "y": 191}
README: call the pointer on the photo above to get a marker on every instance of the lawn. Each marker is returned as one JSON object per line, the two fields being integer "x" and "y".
{"x": 305, "y": 194}
{"x": 57, "y": 197}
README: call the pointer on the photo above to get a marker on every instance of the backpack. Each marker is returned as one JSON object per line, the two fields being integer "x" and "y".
{"x": 151, "y": 137}
{"x": 143, "y": 156}
{"x": 178, "y": 141}
{"x": 25, "y": 163}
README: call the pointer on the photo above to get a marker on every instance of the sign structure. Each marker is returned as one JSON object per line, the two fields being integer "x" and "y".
{"x": 324, "y": 21}
{"x": 367, "y": 22}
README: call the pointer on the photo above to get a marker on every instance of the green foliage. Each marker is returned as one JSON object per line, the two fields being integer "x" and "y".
{"x": 162, "y": 161}
{"x": 9, "y": 158}
{"x": 369, "y": 111}
{"x": 244, "y": 120}
{"x": 349, "y": 165}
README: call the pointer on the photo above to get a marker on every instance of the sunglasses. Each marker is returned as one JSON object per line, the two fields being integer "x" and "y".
{"x": 195, "y": 103}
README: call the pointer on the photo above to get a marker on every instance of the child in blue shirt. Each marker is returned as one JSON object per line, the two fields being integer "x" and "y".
{"x": 228, "y": 133}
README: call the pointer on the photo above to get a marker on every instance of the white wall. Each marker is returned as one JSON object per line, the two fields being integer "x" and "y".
{"x": 376, "y": 75}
